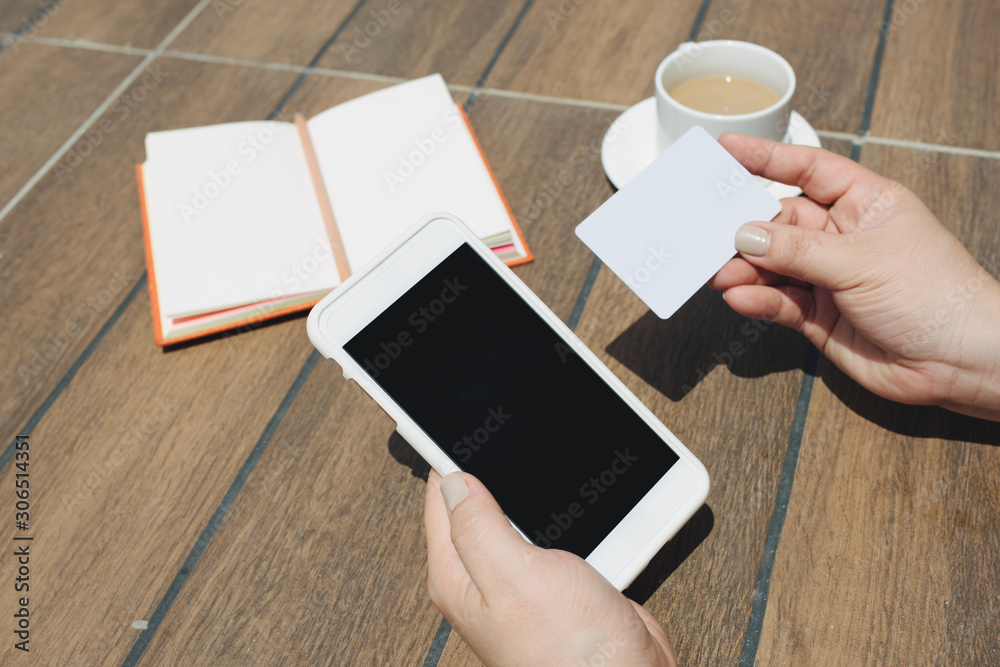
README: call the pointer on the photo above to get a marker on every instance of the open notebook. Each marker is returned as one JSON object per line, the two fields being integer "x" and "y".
{"x": 234, "y": 228}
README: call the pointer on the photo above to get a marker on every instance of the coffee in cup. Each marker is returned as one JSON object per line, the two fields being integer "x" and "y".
{"x": 724, "y": 95}
{"x": 723, "y": 85}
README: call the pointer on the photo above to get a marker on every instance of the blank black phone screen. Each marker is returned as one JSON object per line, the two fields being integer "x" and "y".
{"x": 499, "y": 391}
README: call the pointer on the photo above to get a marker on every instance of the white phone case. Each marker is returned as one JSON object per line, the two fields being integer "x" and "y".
{"x": 628, "y": 548}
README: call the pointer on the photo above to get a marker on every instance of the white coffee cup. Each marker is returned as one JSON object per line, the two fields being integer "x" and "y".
{"x": 694, "y": 60}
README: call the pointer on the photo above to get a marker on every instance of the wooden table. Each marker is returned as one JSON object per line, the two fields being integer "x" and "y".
{"x": 237, "y": 502}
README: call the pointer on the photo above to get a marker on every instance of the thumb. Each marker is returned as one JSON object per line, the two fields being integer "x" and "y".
{"x": 821, "y": 258}
{"x": 489, "y": 546}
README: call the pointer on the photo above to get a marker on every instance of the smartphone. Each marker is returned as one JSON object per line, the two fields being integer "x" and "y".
{"x": 479, "y": 375}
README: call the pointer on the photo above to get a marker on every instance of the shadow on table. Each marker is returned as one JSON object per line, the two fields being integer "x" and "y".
{"x": 674, "y": 355}
{"x": 232, "y": 333}
{"x": 670, "y": 557}
{"x": 401, "y": 450}
{"x": 914, "y": 421}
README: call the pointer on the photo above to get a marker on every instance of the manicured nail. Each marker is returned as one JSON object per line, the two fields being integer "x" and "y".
{"x": 752, "y": 240}
{"x": 454, "y": 489}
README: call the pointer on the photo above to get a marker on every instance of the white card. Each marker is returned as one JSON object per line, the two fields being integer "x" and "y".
{"x": 672, "y": 227}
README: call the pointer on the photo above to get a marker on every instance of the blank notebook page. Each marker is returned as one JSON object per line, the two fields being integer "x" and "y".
{"x": 393, "y": 156}
{"x": 221, "y": 240}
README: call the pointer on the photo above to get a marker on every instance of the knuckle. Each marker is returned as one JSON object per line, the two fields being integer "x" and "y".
{"x": 772, "y": 309}
{"x": 463, "y": 522}
{"x": 797, "y": 250}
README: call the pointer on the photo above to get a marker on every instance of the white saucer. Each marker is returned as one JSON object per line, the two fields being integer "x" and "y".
{"x": 630, "y": 145}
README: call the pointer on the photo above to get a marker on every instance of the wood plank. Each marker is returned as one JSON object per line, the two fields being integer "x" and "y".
{"x": 57, "y": 90}
{"x": 349, "y": 560}
{"x": 139, "y": 24}
{"x": 290, "y": 32}
{"x": 74, "y": 245}
{"x": 839, "y": 146}
{"x": 830, "y": 45}
{"x": 890, "y": 551}
{"x": 939, "y": 75}
{"x": 17, "y": 14}
{"x": 600, "y": 50}
{"x": 408, "y": 39}
{"x": 728, "y": 391}
{"x": 321, "y": 558}
{"x": 135, "y": 455}
{"x": 126, "y": 469}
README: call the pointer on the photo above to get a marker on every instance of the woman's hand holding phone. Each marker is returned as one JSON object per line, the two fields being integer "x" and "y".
{"x": 518, "y": 604}
{"x": 477, "y": 371}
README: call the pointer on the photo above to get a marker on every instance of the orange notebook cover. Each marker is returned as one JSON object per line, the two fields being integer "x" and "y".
{"x": 248, "y": 315}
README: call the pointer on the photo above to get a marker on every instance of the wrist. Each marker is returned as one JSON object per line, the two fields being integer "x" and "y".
{"x": 974, "y": 386}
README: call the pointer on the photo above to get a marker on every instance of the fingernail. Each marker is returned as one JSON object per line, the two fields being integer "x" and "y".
{"x": 454, "y": 489}
{"x": 752, "y": 240}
